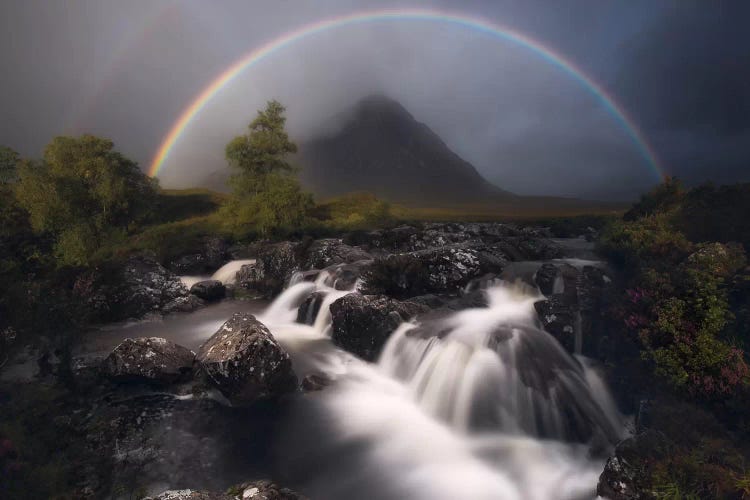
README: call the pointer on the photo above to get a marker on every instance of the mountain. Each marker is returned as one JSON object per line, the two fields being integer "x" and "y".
{"x": 381, "y": 148}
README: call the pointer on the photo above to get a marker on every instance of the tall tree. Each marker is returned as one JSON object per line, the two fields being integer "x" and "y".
{"x": 266, "y": 196}
{"x": 82, "y": 193}
{"x": 8, "y": 164}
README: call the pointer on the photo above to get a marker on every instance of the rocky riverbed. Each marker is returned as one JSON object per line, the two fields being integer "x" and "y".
{"x": 197, "y": 385}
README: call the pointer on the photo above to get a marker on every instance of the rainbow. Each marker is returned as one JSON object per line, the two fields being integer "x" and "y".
{"x": 480, "y": 25}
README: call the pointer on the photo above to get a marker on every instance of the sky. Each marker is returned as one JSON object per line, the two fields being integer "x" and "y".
{"x": 126, "y": 70}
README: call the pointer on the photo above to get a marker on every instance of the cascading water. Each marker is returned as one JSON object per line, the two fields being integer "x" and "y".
{"x": 479, "y": 404}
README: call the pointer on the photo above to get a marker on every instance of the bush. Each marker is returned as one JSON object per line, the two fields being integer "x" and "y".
{"x": 680, "y": 297}
{"x": 355, "y": 211}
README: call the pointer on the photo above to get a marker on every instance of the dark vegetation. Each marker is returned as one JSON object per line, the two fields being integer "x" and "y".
{"x": 682, "y": 333}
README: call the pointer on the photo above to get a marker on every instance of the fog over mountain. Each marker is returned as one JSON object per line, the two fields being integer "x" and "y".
{"x": 127, "y": 71}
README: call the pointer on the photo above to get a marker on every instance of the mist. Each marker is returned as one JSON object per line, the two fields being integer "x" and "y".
{"x": 128, "y": 71}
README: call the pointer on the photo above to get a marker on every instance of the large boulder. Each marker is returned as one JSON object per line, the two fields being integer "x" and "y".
{"x": 255, "y": 490}
{"x": 548, "y": 279}
{"x": 450, "y": 268}
{"x": 244, "y": 361}
{"x": 188, "y": 303}
{"x": 149, "y": 359}
{"x": 140, "y": 287}
{"x": 560, "y": 318}
{"x": 327, "y": 252}
{"x": 209, "y": 290}
{"x": 210, "y": 256}
{"x": 274, "y": 266}
{"x": 363, "y": 323}
{"x": 626, "y": 475}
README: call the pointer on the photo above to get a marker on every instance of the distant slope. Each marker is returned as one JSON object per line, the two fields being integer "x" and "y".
{"x": 384, "y": 150}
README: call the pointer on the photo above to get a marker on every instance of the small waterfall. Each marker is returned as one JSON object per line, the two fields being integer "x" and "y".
{"x": 227, "y": 273}
{"x": 493, "y": 369}
{"x": 322, "y": 323}
{"x": 284, "y": 308}
{"x": 478, "y": 404}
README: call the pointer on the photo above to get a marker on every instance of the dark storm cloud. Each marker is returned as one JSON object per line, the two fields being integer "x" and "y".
{"x": 689, "y": 74}
{"x": 127, "y": 69}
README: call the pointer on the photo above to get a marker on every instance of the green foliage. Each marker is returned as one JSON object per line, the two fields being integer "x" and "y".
{"x": 266, "y": 197}
{"x": 399, "y": 276}
{"x": 272, "y": 204}
{"x": 702, "y": 459}
{"x": 264, "y": 149}
{"x": 355, "y": 211}
{"x": 651, "y": 240}
{"x": 180, "y": 204}
{"x": 8, "y": 164}
{"x": 710, "y": 213}
{"x": 679, "y": 303}
{"x": 662, "y": 198}
{"x": 83, "y": 193}
{"x": 167, "y": 241}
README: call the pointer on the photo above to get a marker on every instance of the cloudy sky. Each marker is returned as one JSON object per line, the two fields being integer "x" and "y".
{"x": 126, "y": 70}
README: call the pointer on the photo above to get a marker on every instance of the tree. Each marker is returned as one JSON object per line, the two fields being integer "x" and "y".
{"x": 83, "y": 193}
{"x": 266, "y": 196}
{"x": 8, "y": 162}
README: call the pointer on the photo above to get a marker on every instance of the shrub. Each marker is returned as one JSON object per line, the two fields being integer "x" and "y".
{"x": 355, "y": 211}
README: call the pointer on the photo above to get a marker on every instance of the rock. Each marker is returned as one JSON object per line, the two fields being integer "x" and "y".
{"x": 363, "y": 323}
{"x": 274, "y": 266}
{"x": 149, "y": 359}
{"x": 142, "y": 286}
{"x": 188, "y": 303}
{"x": 452, "y": 267}
{"x": 189, "y": 494}
{"x": 546, "y": 278}
{"x": 255, "y": 490}
{"x": 324, "y": 253}
{"x": 244, "y": 361}
{"x": 209, "y": 290}
{"x": 210, "y": 257}
{"x": 263, "y": 490}
{"x": 559, "y": 318}
{"x": 315, "y": 382}
{"x": 309, "y": 309}
{"x": 626, "y": 475}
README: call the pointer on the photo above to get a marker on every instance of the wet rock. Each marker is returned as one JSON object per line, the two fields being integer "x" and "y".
{"x": 363, "y": 323}
{"x": 309, "y": 309}
{"x": 452, "y": 267}
{"x": 326, "y": 252}
{"x": 209, "y": 290}
{"x": 264, "y": 490}
{"x": 273, "y": 268}
{"x": 546, "y": 277}
{"x": 559, "y": 317}
{"x": 315, "y": 382}
{"x": 626, "y": 475}
{"x": 482, "y": 283}
{"x": 149, "y": 359}
{"x": 188, "y": 303}
{"x": 211, "y": 256}
{"x": 244, "y": 361}
{"x": 142, "y": 286}
{"x": 188, "y": 494}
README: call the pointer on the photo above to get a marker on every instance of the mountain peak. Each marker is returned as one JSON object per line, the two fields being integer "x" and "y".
{"x": 383, "y": 149}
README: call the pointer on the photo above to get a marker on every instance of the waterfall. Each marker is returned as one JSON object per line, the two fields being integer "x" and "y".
{"x": 480, "y": 404}
{"x": 227, "y": 273}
